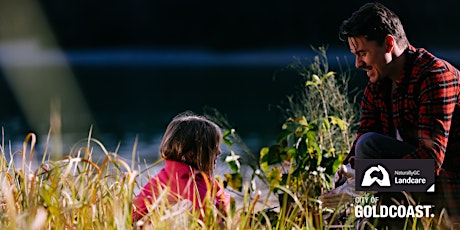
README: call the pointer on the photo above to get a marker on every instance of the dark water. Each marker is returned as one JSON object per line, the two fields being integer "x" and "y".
{"x": 134, "y": 94}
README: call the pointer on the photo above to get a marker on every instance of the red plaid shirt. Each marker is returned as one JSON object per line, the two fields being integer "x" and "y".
{"x": 425, "y": 109}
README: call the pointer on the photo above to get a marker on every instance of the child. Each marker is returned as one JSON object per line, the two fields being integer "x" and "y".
{"x": 190, "y": 147}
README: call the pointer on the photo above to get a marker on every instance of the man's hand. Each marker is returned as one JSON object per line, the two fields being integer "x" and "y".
{"x": 340, "y": 195}
{"x": 343, "y": 173}
{"x": 344, "y": 192}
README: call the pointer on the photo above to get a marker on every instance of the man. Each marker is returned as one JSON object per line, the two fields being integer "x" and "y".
{"x": 410, "y": 107}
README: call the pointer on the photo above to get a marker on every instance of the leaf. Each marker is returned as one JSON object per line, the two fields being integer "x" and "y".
{"x": 330, "y": 73}
{"x": 339, "y": 122}
{"x": 234, "y": 166}
{"x": 291, "y": 140}
{"x": 227, "y": 141}
{"x": 234, "y": 180}
{"x": 233, "y": 161}
{"x": 301, "y": 120}
{"x": 325, "y": 124}
{"x": 226, "y": 137}
{"x": 317, "y": 152}
{"x": 330, "y": 152}
{"x": 283, "y": 135}
{"x": 263, "y": 158}
{"x": 291, "y": 153}
{"x": 316, "y": 78}
{"x": 336, "y": 165}
{"x": 274, "y": 155}
{"x": 311, "y": 83}
{"x": 290, "y": 126}
{"x": 228, "y": 132}
{"x": 311, "y": 136}
{"x": 319, "y": 156}
{"x": 274, "y": 177}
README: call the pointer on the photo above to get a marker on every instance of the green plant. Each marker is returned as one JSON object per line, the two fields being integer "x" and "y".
{"x": 317, "y": 133}
{"x": 324, "y": 94}
{"x": 320, "y": 119}
{"x": 300, "y": 160}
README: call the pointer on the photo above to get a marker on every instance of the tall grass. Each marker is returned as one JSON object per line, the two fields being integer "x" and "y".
{"x": 74, "y": 192}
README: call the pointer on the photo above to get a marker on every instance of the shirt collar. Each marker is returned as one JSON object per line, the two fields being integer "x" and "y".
{"x": 408, "y": 65}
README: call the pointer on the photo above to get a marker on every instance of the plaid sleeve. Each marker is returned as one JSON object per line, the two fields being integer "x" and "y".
{"x": 370, "y": 118}
{"x": 437, "y": 98}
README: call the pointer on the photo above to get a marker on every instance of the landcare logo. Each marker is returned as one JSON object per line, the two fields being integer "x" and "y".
{"x": 395, "y": 175}
{"x": 368, "y": 179}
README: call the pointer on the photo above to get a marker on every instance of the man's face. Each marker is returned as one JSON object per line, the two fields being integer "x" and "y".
{"x": 370, "y": 57}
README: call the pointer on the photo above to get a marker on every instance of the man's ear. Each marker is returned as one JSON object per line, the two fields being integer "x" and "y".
{"x": 389, "y": 43}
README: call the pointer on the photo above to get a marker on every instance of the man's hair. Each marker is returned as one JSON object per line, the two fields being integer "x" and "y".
{"x": 193, "y": 140}
{"x": 374, "y": 21}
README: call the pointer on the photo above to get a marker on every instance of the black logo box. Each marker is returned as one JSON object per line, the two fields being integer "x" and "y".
{"x": 426, "y": 167}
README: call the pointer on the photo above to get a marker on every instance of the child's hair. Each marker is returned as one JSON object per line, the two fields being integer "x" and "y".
{"x": 193, "y": 140}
